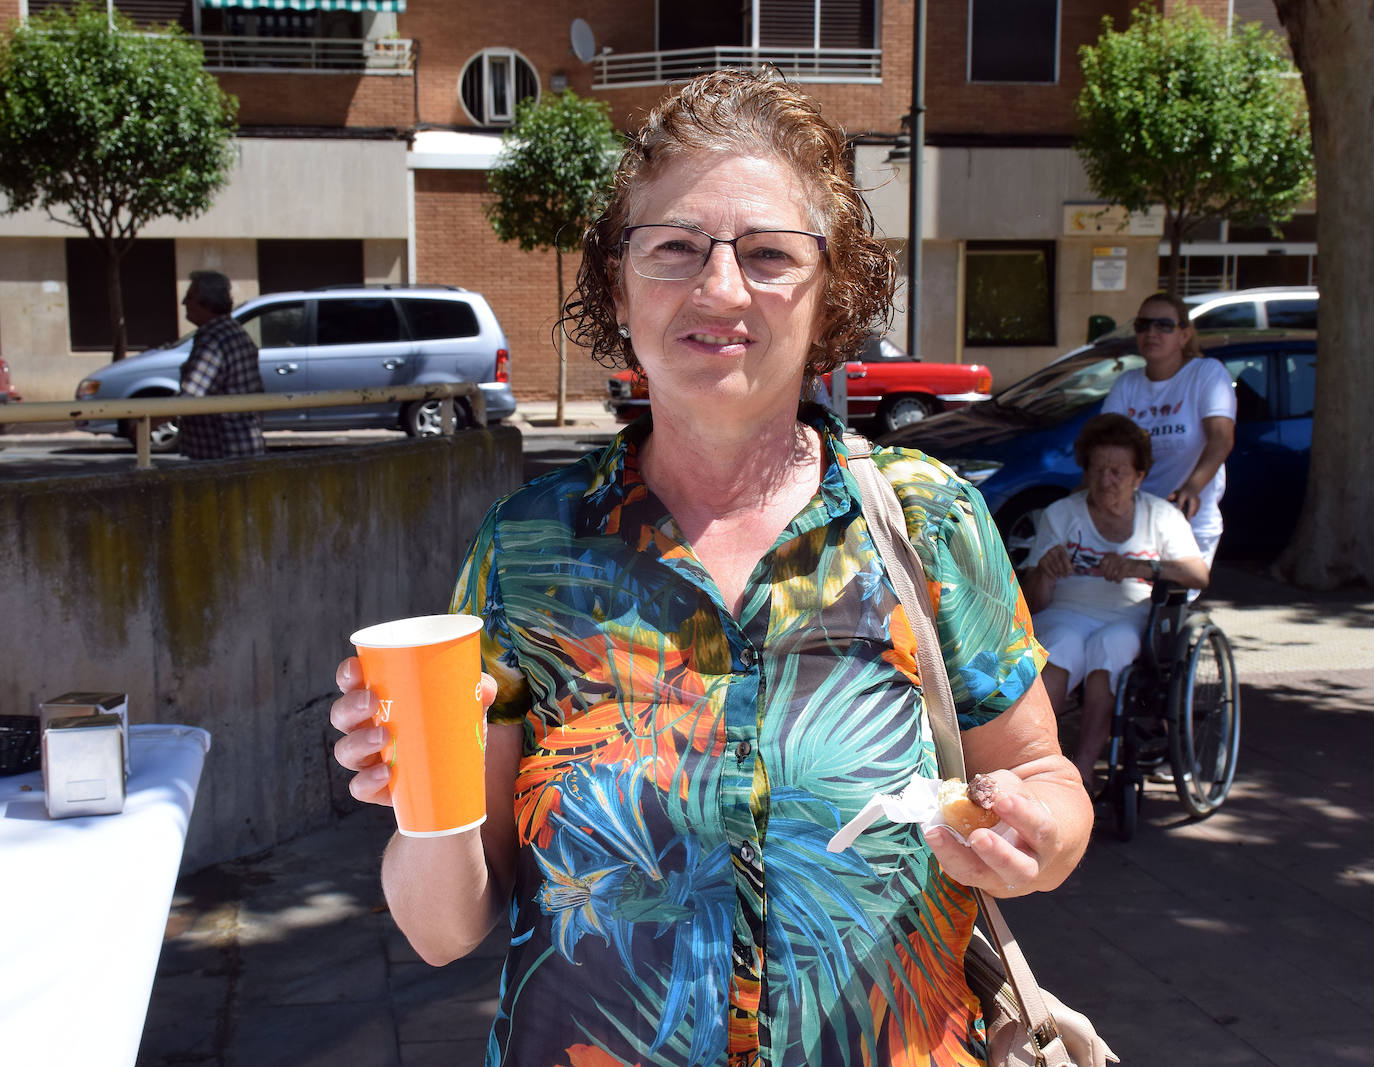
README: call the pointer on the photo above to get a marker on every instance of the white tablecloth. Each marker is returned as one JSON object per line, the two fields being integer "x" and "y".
{"x": 84, "y": 903}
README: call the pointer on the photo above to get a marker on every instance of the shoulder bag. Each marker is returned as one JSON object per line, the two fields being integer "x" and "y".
{"x": 1026, "y": 1025}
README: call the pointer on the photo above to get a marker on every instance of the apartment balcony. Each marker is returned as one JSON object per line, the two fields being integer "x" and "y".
{"x": 849, "y": 66}
{"x": 327, "y": 55}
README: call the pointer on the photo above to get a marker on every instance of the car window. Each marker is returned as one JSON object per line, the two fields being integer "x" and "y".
{"x": 1064, "y": 387}
{"x": 1250, "y": 373}
{"x": 1292, "y": 314}
{"x": 1227, "y": 317}
{"x": 276, "y": 326}
{"x": 357, "y": 321}
{"x": 1301, "y": 373}
{"x": 434, "y": 320}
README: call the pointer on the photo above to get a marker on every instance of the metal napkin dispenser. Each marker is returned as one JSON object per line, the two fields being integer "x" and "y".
{"x": 83, "y": 766}
{"x": 84, "y": 703}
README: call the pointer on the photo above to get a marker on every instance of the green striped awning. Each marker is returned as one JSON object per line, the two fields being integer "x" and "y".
{"x": 312, "y": 5}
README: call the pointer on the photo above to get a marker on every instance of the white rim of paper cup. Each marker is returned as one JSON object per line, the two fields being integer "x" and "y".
{"x": 417, "y": 631}
{"x": 441, "y": 833}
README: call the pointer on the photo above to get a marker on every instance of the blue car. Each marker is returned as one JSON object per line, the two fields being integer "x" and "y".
{"x": 1017, "y": 447}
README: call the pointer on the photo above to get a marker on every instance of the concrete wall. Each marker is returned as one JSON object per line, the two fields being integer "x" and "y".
{"x": 222, "y": 595}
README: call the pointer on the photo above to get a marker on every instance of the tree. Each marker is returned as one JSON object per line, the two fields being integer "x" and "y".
{"x": 551, "y": 180}
{"x": 106, "y": 128}
{"x": 1333, "y": 43}
{"x": 1175, "y": 111}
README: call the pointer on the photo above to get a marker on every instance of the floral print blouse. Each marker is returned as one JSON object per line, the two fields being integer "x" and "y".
{"x": 684, "y": 769}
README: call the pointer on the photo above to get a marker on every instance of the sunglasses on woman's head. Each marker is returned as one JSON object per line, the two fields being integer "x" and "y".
{"x": 1162, "y": 325}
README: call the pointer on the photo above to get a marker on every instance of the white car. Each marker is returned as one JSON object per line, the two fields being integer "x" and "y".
{"x": 1286, "y": 307}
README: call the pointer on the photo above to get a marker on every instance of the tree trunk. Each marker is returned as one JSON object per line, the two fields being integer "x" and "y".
{"x": 562, "y": 345}
{"x": 1333, "y": 43}
{"x": 115, "y": 292}
{"x": 1175, "y": 255}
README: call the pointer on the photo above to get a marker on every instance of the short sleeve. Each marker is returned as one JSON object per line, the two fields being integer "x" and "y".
{"x": 1216, "y": 391}
{"x": 1115, "y": 399}
{"x": 478, "y": 592}
{"x": 199, "y": 372}
{"x": 980, "y": 615}
{"x": 1174, "y": 535}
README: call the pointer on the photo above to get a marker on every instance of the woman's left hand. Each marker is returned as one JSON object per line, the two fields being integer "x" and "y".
{"x": 1116, "y": 567}
{"x": 1003, "y": 867}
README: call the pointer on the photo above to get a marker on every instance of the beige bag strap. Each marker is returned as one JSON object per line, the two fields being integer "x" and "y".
{"x": 887, "y": 527}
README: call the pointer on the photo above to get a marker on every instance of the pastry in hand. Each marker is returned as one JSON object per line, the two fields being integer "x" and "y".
{"x": 967, "y": 806}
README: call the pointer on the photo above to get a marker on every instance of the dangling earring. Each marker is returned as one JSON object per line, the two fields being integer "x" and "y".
{"x": 624, "y": 331}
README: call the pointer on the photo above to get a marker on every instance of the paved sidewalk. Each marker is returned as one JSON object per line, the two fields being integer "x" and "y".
{"x": 1241, "y": 939}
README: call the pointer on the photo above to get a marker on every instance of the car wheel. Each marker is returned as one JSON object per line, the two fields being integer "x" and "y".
{"x": 1017, "y": 521}
{"x": 904, "y": 411}
{"x": 423, "y": 418}
{"x": 162, "y": 437}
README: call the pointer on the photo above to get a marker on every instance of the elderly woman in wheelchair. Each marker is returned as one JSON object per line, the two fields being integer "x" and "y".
{"x": 1096, "y": 555}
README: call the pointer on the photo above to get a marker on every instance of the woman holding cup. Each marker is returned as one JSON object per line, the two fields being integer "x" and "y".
{"x": 698, "y": 669}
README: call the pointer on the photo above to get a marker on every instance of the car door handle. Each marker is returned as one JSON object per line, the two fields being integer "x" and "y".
{"x": 856, "y": 374}
{"x": 393, "y": 363}
{"x": 288, "y": 368}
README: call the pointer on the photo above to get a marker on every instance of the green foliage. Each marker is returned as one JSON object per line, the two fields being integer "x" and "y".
{"x": 1175, "y": 111}
{"x": 554, "y": 172}
{"x": 115, "y": 126}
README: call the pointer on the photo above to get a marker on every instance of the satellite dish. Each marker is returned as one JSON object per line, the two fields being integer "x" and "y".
{"x": 583, "y": 43}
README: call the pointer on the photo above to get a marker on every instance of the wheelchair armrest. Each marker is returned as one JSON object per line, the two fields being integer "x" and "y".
{"x": 1164, "y": 591}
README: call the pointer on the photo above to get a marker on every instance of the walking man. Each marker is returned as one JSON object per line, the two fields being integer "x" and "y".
{"x": 223, "y": 360}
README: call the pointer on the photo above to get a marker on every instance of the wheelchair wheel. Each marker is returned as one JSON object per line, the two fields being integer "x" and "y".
{"x": 1204, "y": 734}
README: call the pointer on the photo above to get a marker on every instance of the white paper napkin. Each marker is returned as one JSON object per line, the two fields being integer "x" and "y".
{"x": 918, "y": 803}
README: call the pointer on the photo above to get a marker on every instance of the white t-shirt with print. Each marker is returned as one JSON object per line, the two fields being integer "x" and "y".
{"x": 1172, "y": 411}
{"x": 1160, "y": 532}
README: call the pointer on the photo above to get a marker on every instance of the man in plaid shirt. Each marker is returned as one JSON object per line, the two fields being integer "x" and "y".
{"x": 223, "y": 360}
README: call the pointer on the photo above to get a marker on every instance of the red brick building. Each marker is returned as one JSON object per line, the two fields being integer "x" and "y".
{"x": 366, "y": 136}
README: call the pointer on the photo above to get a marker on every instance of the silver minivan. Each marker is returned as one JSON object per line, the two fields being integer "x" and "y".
{"x": 341, "y": 338}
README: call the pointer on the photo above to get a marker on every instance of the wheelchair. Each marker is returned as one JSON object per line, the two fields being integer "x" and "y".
{"x": 1179, "y": 703}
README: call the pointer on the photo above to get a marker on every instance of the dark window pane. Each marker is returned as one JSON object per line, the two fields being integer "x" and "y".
{"x": 1227, "y": 317}
{"x": 787, "y": 23}
{"x": 1301, "y": 372}
{"x": 1013, "y": 40}
{"x": 1251, "y": 376}
{"x": 148, "y": 279}
{"x": 278, "y": 326}
{"x": 702, "y": 24}
{"x": 432, "y": 320}
{"x": 1009, "y": 294}
{"x": 357, "y": 321}
{"x": 1292, "y": 314}
{"x": 287, "y": 264}
{"x": 848, "y": 24}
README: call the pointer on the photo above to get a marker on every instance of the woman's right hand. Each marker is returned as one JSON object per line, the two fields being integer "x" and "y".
{"x": 1056, "y": 563}
{"x": 360, "y": 749}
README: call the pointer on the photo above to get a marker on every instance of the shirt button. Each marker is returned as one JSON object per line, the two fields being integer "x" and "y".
{"x": 746, "y": 657}
{"x": 743, "y": 749}
{"x": 746, "y": 853}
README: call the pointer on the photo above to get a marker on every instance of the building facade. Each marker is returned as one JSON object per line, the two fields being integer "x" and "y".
{"x": 367, "y": 128}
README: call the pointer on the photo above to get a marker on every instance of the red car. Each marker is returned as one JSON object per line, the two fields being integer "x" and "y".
{"x": 884, "y": 385}
{"x": 8, "y": 393}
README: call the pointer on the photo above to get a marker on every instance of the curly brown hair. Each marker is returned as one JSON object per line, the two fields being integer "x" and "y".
{"x": 1108, "y": 429}
{"x": 755, "y": 114}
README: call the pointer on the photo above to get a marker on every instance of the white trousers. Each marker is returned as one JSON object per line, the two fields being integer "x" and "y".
{"x": 1080, "y": 644}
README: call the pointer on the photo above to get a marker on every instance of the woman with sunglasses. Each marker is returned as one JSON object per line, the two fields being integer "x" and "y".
{"x": 699, "y": 670}
{"x": 1188, "y": 405}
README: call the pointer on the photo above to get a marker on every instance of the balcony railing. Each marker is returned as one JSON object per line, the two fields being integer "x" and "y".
{"x": 329, "y": 55}
{"x": 623, "y": 70}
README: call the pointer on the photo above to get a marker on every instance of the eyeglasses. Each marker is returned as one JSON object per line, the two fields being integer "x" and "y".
{"x": 676, "y": 253}
{"x": 1162, "y": 325}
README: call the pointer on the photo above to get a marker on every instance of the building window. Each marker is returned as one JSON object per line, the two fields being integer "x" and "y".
{"x": 147, "y": 276}
{"x": 493, "y": 82}
{"x": 768, "y": 24}
{"x": 1009, "y": 293}
{"x": 1013, "y": 40}
{"x": 285, "y": 264}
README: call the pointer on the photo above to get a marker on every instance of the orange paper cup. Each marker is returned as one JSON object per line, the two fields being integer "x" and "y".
{"x": 426, "y": 672}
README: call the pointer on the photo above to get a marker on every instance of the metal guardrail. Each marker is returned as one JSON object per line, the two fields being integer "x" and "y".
{"x": 619, "y": 70}
{"x": 386, "y": 55}
{"x": 147, "y": 410}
